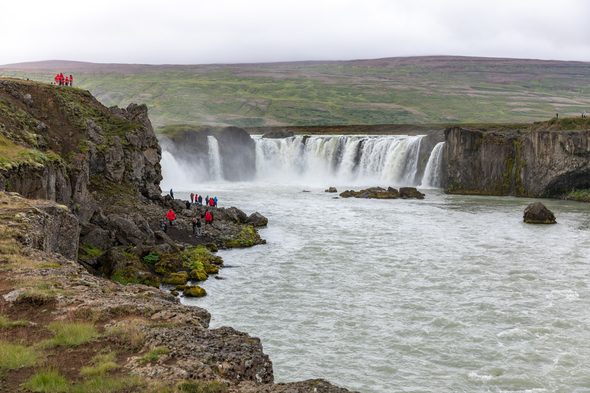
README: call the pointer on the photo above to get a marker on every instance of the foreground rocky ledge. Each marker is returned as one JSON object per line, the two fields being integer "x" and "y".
{"x": 40, "y": 287}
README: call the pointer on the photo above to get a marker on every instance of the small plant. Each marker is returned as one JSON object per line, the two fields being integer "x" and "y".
{"x": 154, "y": 355}
{"x": 118, "y": 277}
{"x": 6, "y": 323}
{"x": 48, "y": 380}
{"x": 152, "y": 258}
{"x": 91, "y": 251}
{"x": 103, "y": 364}
{"x": 127, "y": 335}
{"x": 70, "y": 334}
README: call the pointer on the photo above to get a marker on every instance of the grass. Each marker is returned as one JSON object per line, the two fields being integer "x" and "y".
{"x": 6, "y": 323}
{"x": 127, "y": 334}
{"x": 462, "y": 91}
{"x": 103, "y": 364}
{"x": 51, "y": 381}
{"x": 199, "y": 257}
{"x": 70, "y": 334}
{"x": 13, "y": 356}
{"x": 154, "y": 354}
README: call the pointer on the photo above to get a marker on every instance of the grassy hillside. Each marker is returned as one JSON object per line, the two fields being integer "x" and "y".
{"x": 424, "y": 90}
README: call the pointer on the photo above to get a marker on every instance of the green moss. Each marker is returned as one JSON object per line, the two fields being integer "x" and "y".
{"x": 198, "y": 275}
{"x": 180, "y": 278}
{"x": 152, "y": 258}
{"x": 194, "y": 291}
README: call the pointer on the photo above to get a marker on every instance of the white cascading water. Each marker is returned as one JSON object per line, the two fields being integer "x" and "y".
{"x": 432, "y": 174}
{"x": 215, "y": 158}
{"x": 346, "y": 158}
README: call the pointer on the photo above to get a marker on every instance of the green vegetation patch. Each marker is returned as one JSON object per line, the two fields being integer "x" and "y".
{"x": 51, "y": 381}
{"x": 6, "y": 323}
{"x": 103, "y": 364}
{"x": 154, "y": 354}
{"x": 245, "y": 238}
{"x": 13, "y": 356}
{"x": 70, "y": 334}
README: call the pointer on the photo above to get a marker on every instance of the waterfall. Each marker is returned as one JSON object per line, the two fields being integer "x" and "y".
{"x": 433, "y": 172}
{"x": 393, "y": 158}
{"x": 215, "y": 158}
{"x": 388, "y": 160}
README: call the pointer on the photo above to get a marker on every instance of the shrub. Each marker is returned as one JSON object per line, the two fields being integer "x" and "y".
{"x": 203, "y": 387}
{"x": 48, "y": 380}
{"x": 154, "y": 355}
{"x": 152, "y": 258}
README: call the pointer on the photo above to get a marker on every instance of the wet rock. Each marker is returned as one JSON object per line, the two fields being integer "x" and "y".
{"x": 372, "y": 193}
{"x": 257, "y": 220}
{"x": 331, "y": 189}
{"x": 194, "y": 291}
{"x": 410, "y": 192}
{"x": 198, "y": 275}
{"x": 180, "y": 278}
{"x": 537, "y": 213}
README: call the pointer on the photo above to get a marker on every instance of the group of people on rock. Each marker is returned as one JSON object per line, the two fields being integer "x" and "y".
{"x": 198, "y": 199}
{"x": 196, "y": 222}
{"x": 62, "y": 80}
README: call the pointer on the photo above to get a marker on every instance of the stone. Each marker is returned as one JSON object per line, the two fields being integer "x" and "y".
{"x": 98, "y": 238}
{"x": 410, "y": 192}
{"x": 537, "y": 213}
{"x": 176, "y": 279}
{"x": 198, "y": 275}
{"x": 331, "y": 189}
{"x": 257, "y": 220}
{"x": 194, "y": 291}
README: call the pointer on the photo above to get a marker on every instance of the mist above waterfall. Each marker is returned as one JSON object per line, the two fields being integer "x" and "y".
{"x": 391, "y": 160}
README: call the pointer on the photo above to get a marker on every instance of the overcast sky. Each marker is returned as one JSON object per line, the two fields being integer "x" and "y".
{"x": 246, "y": 31}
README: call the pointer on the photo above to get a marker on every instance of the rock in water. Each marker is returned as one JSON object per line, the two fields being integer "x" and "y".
{"x": 332, "y": 189}
{"x": 537, "y": 213}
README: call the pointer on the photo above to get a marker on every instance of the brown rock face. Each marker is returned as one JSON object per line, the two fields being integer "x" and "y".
{"x": 537, "y": 213}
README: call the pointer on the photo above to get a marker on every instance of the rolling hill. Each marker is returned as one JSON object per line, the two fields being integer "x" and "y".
{"x": 417, "y": 90}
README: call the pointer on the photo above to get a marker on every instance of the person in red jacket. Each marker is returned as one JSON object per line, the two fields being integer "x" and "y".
{"x": 61, "y": 79}
{"x": 171, "y": 216}
{"x": 211, "y": 202}
{"x": 67, "y": 81}
{"x": 56, "y": 79}
{"x": 208, "y": 218}
{"x": 71, "y": 80}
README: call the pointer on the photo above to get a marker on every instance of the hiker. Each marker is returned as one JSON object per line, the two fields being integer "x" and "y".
{"x": 61, "y": 79}
{"x": 211, "y": 202}
{"x": 171, "y": 194}
{"x": 557, "y": 115}
{"x": 163, "y": 226}
{"x": 71, "y": 81}
{"x": 188, "y": 205}
{"x": 207, "y": 200}
{"x": 215, "y": 200}
{"x": 200, "y": 200}
{"x": 194, "y": 226}
{"x": 208, "y": 218}
{"x": 192, "y": 197}
{"x": 171, "y": 216}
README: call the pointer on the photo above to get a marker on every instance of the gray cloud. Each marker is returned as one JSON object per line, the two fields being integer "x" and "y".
{"x": 232, "y": 31}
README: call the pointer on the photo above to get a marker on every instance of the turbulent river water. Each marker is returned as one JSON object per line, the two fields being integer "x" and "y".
{"x": 446, "y": 294}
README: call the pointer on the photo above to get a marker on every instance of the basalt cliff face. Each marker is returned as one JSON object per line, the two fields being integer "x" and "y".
{"x": 59, "y": 142}
{"x": 527, "y": 163}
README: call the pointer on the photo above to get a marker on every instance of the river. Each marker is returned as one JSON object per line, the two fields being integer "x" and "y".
{"x": 446, "y": 294}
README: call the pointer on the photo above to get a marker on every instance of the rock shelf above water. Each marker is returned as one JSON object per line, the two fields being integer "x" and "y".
{"x": 382, "y": 193}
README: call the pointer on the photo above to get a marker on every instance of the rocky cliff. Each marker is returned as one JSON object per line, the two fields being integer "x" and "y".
{"x": 532, "y": 161}
{"x": 57, "y": 141}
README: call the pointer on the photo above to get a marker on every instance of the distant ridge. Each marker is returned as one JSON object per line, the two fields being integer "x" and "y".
{"x": 396, "y": 90}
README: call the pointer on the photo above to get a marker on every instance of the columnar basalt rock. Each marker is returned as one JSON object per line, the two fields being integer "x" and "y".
{"x": 533, "y": 164}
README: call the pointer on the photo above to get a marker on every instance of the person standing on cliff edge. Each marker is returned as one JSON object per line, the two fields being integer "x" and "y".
{"x": 557, "y": 115}
{"x": 192, "y": 197}
{"x": 171, "y": 194}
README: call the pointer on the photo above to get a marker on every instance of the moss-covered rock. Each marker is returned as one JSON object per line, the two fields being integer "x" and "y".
{"x": 210, "y": 269}
{"x": 169, "y": 263}
{"x": 212, "y": 247}
{"x": 194, "y": 291}
{"x": 176, "y": 278}
{"x": 180, "y": 287}
{"x": 198, "y": 275}
{"x": 174, "y": 293}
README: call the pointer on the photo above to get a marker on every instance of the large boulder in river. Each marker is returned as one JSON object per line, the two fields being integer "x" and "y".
{"x": 257, "y": 220}
{"x": 410, "y": 192}
{"x": 537, "y": 213}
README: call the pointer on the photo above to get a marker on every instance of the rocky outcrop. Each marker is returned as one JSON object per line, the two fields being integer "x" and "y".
{"x": 537, "y": 213}
{"x": 533, "y": 163}
{"x": 78, "y": 145}
{"x": 257, "y": 220}
{"x": 331, "y": 189}
{"x": 382, "y": 193}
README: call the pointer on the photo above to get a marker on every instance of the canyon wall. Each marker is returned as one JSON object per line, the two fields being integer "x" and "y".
{"x": 535, "y": 163}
